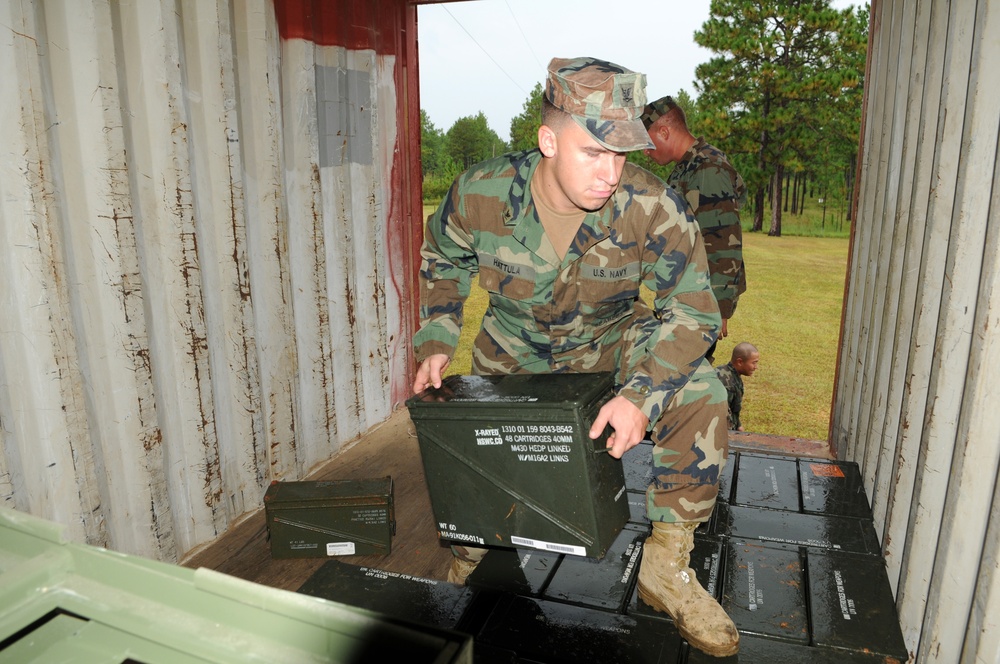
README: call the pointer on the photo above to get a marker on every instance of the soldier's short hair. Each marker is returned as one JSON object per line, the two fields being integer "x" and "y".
{"x": 662, "y": 107}
{"x": 743, "y": 351}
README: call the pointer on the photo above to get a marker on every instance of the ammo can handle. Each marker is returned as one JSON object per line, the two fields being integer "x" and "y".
{"x": 600, "y": 441}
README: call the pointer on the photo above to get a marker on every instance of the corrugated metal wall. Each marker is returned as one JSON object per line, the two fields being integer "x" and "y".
{"x": 204, "y": 258}
{"x": 915, "y": 402}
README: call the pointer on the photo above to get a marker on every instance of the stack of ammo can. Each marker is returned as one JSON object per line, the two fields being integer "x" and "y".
{"x": 790, "y": 552}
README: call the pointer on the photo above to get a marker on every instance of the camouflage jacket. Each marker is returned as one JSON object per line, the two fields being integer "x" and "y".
{"x": 715, "y": 191}
{"x": 547, "y": 315}
{"x": 733, "y": 383}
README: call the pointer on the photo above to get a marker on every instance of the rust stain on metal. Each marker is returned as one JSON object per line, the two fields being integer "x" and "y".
{"x": 197, "y": 340}
{"x": 351, "y": 318}
{"x": 322, "y": 305}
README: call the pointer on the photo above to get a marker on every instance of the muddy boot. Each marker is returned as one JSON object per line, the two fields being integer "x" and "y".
{"x": 668, "y": 584}
{"x": 466, "y": 559}
{"x": 460, "y": 570}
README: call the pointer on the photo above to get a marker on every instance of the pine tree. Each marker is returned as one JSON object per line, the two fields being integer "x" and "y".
{"x": 524, "y": 127}
{"x": 772, "y": 96}
{"x": 470, "y": 140}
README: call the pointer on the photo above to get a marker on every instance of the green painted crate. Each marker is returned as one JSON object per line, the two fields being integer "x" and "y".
{"x": 67, "y": 602}
{"x": 509, "y": 462}
{"x": 334, "y": 518}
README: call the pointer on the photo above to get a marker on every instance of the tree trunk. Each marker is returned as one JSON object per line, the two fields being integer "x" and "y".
{"x": 802, "y": 201}
{"x": 758, "y": 210}
{"x": 758, "y": 215}
{"x": 776, "y": 206}
{"x": 795, "y": 194}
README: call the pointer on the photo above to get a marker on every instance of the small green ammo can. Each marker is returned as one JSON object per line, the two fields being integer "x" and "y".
{"x": 334, "y": 518}
{"x": 509, "y": 462}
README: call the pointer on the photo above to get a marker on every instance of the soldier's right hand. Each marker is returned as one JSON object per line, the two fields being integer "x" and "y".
{"x": 430, "y": 372}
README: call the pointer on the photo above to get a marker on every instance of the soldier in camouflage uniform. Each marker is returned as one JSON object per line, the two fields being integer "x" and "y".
{"x": 715, "y": 192}
{"x": 562, "y": 237}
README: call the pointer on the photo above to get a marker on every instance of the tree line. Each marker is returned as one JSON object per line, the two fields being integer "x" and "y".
{"x": 781, "y": 96}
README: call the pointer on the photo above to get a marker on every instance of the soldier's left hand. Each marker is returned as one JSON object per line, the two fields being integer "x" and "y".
{"x": 629, "y": 424}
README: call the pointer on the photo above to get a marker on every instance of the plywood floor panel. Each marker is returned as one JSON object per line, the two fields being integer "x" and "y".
{"x": 391, "y": 450}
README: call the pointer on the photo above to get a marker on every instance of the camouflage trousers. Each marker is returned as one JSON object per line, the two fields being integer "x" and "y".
{"x": 690, "y": 445}
{"x": 690, "y": 440}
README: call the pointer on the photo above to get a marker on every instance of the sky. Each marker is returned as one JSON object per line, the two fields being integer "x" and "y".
{"x": 487, "y": 55}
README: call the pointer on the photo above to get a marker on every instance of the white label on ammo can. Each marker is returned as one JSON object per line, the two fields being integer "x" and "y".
{"x": 548, "y": 546}
{"x": 340, "y": 548}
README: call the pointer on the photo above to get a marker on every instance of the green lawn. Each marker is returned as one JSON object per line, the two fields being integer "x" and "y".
{"x": 791, "y": 312}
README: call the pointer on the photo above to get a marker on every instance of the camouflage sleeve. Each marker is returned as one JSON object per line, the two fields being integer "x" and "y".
{"x": 735, "y": 406}
{"x": 687, "y": 320}
{"x": 448, "y": 263}
{"x": 727, "y": 378}
{"x": 720, "y": 194}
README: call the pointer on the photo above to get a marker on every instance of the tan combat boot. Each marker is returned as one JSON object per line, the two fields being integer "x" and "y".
{"x": 465, "y": 562}
{"x": 460, "y": 570}
{"x": 668, "y": 584}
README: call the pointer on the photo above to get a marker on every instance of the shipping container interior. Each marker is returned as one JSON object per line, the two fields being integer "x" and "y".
{"x": 210, "y": 220}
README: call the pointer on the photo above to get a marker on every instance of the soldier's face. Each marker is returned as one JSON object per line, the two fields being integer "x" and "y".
{"x": 749, "y": 365}
{"x": 585, "y": 172}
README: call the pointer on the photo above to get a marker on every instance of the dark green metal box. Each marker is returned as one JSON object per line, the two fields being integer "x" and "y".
{"x": 335, "y": 518}
{"x": 509, "y": 462}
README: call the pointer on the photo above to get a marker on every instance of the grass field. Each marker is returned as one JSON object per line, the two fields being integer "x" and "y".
{"x": 791, "y": 312}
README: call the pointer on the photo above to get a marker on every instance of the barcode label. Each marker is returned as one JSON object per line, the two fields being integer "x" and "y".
{"x": 340, "y": 548}
{"x": 549, "y": 546}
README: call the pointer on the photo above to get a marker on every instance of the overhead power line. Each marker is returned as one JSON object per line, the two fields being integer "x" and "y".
{"x": 485, "y": 51}
{"x": 523, "y": 36}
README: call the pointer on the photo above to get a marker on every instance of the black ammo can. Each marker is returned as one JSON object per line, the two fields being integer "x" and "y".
{"x": 509, "y": 462}
{"x": 334, "y": 518}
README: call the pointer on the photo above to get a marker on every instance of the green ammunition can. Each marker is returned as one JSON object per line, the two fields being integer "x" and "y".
{"x": 335, "y": 518}
{"x": 509, "y": 462}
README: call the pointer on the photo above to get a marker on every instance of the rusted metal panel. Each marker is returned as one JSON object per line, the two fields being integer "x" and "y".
{"x": 847, "y": 393}
{"x": 877, "y": 244}
{"x": 257, "y": 73}
{"x": 160, "y": 154}
{"x": 205, "y": 292}
{"x": 934, "y": 419}
{"x": 909, "y": 216}
{"x": 103, "y": 273}
{"x": 307, "y": 256}
{"x": 982, "y": 638}
{"x": 893, "y": 237}
{"x": 914, "y": 403}
{"x": 37, "y": 363}
{"x": 963, "y": 378}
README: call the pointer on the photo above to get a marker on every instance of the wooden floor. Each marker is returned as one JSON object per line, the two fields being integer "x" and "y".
{"x": 392, "y": 450}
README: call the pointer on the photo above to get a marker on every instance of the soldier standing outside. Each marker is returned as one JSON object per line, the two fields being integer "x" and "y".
{"x": 743, "y": 363}
{"x": 715, "y": 192}
{"x": 562, "y": 237}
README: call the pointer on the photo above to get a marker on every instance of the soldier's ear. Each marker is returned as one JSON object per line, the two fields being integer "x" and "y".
{"x": 547, "y": 142}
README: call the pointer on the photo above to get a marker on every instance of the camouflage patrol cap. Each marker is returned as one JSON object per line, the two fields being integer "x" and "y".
{"x": 603, "y": 98}
{"x": 657, "y": 109}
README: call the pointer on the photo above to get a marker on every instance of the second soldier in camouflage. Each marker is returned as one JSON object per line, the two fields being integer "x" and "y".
{"x": 708, "y": 182}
